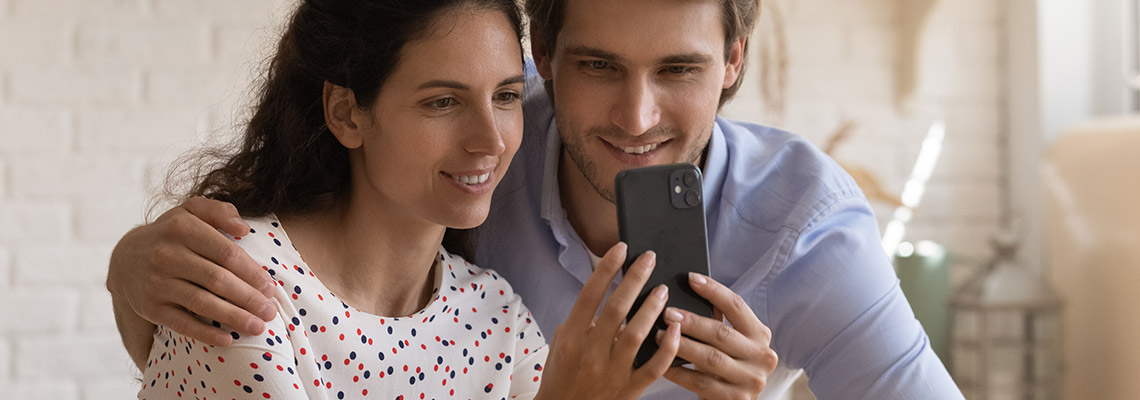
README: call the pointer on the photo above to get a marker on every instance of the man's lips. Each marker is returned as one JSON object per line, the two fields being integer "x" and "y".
{"x": 635, "y": 149}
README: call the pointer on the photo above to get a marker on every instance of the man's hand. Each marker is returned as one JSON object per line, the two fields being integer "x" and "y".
{"x": 180, "y": 265}
{"x": 592, "y": 357}
{"x": 735, "y": 359}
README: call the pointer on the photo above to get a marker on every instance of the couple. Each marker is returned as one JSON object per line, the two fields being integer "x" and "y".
{"x": 383, "y": 125}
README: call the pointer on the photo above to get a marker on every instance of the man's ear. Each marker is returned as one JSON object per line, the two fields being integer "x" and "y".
{"x": 540, "y": 50}
{"x": 342, "y": 115}
{"x": 735, "y": 62}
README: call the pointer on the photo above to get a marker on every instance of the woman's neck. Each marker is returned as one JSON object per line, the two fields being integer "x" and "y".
{"x": 371, "y": 256}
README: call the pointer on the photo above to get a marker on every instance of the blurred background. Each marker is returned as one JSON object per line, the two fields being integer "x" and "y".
{"x": 994, "y": 138}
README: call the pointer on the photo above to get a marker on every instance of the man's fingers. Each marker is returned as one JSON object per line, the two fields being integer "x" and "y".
{"x": 181, "y": 321}
{"x": 667, "y": 345}
{"x": 716, "y": 333}
{"x": 218, "y": 214}
{"x": 712, "y": 361}
{"x": 705, "y": 386}
{"x": 206, "y": 304}
{"x": 215, "y": 247}
{"x": 621, "y": 300}
{"x": 738, "y": 313}
{"x": 586, "y": 306}
{"x": 637, "y": 330}
{"x": 242, "y": 301}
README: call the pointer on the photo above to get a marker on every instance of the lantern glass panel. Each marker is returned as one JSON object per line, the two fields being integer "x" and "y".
{"x": 966, "y": 325}
{"x": 1004, "y": 326}
{"x": 965, "y": 361}
{"x": 1005, "y": 365}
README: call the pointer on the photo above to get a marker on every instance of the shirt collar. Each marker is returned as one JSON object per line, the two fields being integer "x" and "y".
{"x": 716, "y": 163}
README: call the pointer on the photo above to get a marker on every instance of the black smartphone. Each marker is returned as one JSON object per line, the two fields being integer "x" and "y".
{"x": 661, "y": 208}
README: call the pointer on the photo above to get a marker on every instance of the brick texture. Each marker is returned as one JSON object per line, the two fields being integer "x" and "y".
{"x": 5, "y": 269}
{"x": 98, "y": 96}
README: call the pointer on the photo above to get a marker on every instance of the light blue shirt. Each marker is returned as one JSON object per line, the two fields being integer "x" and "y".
{"x": 788, "y": 230}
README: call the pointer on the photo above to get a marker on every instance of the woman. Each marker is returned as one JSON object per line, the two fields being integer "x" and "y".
{"x": 382, "y": 124}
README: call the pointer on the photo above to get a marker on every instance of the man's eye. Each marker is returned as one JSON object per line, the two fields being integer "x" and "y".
{"x": 599, "y": 64}
{"x": 507, "y": 97}
{"x": 678, "y": 69}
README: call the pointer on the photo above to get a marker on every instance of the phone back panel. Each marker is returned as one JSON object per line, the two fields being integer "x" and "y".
{"x": 649, "y": 219}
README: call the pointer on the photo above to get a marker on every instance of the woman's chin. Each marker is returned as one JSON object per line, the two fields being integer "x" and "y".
{"x": 469, "y": 219}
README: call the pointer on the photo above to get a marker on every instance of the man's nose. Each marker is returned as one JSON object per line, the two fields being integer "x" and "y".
{"x": 636, "y": 110}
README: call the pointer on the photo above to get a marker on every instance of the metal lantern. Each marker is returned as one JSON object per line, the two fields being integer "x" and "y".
{"x": 1005, "y": 341}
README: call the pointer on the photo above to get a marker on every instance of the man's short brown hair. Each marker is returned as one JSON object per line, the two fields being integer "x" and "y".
{"x": 739, "y": 18}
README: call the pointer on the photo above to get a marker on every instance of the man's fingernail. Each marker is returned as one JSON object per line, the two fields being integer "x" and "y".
{"x": 697, "y": 278}
{"x": 267, "y": 287}
{"x": 660, "y": 334}
{"x": 268, "y": 309}
{"x": 672, "y": 315}
{"x": 223, "y": 339}
{"x": 661, "y": 291}
{"x": 254, "y": 326}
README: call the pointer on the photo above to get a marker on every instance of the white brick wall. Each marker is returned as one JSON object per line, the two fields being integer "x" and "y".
{"x": 842, "y": 63}
{"x": 96, "y": 95}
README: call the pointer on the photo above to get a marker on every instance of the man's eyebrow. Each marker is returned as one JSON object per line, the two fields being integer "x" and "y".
{"x": 685, "y": 58}
{"x": 688, "y": 58}
{"x": 587, "y": 51}
{"x": 512, "y": 80}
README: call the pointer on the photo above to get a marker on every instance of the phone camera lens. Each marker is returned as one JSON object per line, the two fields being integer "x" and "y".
{"x": 692, "y": 198}
{"x": 690, "y": 178}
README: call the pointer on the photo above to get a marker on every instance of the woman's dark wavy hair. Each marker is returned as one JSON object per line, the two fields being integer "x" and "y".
{"x": 287, "y": 160}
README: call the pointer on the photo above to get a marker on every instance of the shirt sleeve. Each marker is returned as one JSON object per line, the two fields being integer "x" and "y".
{"x": 856, "y": 336}
{"x": 261, "y": 366}
{"x": 530, "y": 352}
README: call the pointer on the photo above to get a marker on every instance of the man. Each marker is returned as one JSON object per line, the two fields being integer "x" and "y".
{"x": 627, "y": 84}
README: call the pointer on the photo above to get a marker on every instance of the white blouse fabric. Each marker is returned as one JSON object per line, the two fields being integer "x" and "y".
{"x": 474, "y": 339}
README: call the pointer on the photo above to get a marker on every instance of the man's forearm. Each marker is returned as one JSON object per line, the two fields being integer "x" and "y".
{"x": 136, "y": 332}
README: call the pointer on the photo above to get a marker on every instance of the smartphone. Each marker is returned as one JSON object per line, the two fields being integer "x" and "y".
{"x": 661, "y": 208}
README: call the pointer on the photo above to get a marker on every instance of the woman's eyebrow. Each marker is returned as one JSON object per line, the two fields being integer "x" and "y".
{"x": 443, "y": 84}
{"x": 439, "y": 83}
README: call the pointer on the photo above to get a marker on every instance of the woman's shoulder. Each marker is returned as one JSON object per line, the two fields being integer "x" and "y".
{"x": 269, "y": 246}
{"x": 463, "y": 277}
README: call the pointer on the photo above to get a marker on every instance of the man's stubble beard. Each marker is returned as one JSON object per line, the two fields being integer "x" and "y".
{"x": 575, "y": 149}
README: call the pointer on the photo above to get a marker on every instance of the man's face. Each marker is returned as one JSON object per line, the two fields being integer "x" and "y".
{"x": 637, "y": 83}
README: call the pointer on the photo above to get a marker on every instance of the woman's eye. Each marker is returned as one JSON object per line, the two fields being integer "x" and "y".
{"x": 442, "y": 104}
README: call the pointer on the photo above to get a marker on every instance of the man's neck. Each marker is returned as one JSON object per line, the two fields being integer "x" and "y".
{"x": 593, "y": 217}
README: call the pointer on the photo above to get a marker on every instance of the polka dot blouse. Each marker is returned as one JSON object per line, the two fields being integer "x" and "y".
{"x": 474, "y": 340}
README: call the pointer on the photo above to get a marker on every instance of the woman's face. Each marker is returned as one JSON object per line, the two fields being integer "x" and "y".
{"x": 447, "y": 122}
